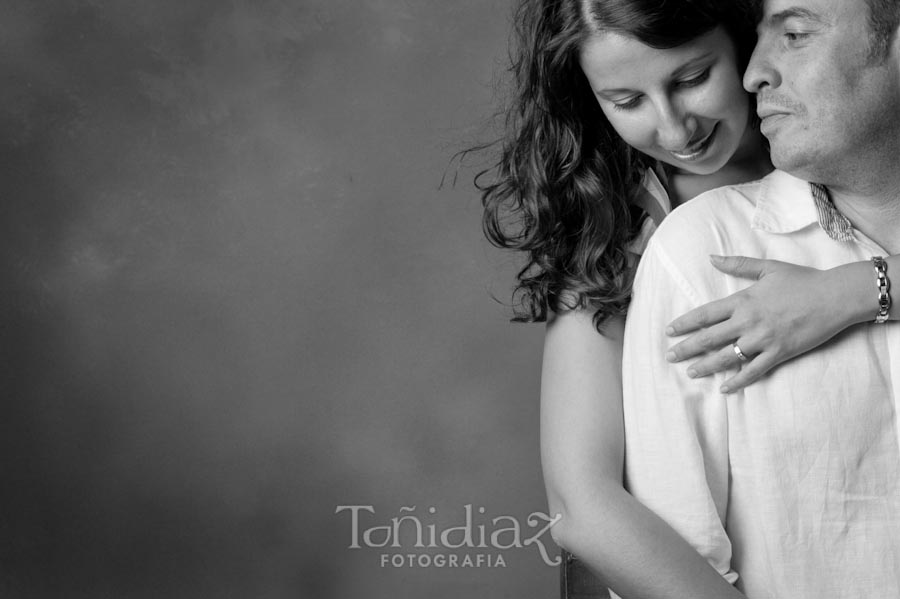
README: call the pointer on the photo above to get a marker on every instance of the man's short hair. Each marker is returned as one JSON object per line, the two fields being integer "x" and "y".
{"x": 884, "y": 17}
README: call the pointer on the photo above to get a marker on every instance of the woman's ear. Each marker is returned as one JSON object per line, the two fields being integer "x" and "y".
{"x": 894, "y": 50}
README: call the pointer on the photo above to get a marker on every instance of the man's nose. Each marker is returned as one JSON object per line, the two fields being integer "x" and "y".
{"x": 676, "y": 128}
{"x": 761, "y": 71}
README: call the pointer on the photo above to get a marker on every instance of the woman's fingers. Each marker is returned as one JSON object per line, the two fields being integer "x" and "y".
{"x": 704, "y": 341}
{"x": 717, "y": 361}
{"x": 726, "y": 358}
{"x": 740, "y": 266}
{"x": 719, "y": 310}
{"x": 771, "y": 320}
{"x": 701, "y": 317}
{"x": 750, "y": 372}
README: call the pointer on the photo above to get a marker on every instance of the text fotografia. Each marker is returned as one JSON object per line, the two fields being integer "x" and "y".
{"x": 492, "y": 535}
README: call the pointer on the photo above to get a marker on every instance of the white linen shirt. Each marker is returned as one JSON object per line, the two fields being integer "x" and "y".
{"x": 792, "y": 486}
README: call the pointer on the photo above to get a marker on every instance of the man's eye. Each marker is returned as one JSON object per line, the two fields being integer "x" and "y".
{"x": 794, "y": 36}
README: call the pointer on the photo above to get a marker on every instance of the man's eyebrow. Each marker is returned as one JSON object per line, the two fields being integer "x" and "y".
{"x": 795, "y": 12}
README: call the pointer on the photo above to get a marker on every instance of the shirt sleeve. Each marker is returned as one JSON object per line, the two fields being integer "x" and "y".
{"x": 676, "y": 428}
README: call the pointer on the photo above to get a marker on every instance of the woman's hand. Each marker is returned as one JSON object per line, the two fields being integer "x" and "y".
{"x": 790, "y": 310}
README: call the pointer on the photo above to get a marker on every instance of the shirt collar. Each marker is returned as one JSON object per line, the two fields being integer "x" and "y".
{"x": 787, "y": 204}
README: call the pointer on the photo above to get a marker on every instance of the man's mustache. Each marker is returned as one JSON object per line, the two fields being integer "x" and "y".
{"x": 772, "y": 101}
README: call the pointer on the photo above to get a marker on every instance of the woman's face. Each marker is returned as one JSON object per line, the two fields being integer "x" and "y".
{"x": 684, "y": 106}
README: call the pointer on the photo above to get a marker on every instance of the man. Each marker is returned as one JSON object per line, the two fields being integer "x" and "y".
{"x": 792, "y": 486}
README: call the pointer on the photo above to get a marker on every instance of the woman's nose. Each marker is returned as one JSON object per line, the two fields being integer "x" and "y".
{"x": 676, "y": 128}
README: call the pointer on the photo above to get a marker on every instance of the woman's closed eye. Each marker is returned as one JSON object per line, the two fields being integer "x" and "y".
{"x": 694, "y": 80}
{"x": 628, "y": 103}
{"x": 633, "y": 102}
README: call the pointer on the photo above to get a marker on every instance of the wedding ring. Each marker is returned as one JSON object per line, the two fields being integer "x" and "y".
{"x": 739, "y": 353}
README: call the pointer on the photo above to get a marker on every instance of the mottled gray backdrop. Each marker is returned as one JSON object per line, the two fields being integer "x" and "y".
{"x": 234, "y": 297}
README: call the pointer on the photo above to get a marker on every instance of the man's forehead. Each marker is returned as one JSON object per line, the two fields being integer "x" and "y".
{"x": 815, "y": 6}
{"x": 831, "y": 12}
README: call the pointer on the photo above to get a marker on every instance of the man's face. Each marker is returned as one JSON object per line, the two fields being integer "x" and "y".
{"x": 824, "y": 102}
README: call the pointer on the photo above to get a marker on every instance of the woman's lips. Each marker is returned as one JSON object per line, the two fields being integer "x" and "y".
{"x": 697, "y": 149}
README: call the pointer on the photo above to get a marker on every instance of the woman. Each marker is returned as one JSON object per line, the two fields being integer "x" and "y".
{"x": 623, "y": 110}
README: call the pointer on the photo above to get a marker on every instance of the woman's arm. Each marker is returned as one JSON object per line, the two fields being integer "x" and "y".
{"x": 789, "y": 311}
{"x": 627, "y": 546}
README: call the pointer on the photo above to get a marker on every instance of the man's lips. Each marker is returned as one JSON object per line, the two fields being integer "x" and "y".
{"x": 769, "y": 118}
{"x": 765, "y": 112}
{"x": 770, "y": 104}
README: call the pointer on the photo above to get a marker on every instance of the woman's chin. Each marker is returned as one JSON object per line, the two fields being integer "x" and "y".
{"x": 708, "y": 166}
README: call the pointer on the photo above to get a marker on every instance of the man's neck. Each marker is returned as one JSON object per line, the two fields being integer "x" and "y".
{"x": 873, "y": 208}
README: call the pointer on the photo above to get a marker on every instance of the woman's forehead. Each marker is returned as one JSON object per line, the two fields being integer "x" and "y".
{"x": 613, "y": 60}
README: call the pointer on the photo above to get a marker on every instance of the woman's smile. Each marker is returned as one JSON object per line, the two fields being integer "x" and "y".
{"x": 698, "y": 149}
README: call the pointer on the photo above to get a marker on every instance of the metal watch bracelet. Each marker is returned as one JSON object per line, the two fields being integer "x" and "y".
{"x": 884, "y": 289}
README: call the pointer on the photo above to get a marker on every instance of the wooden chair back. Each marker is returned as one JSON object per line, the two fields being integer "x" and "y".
{"x": 577, "y": 582}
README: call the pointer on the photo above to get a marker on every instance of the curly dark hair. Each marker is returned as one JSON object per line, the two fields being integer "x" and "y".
{"x": 562, "y": 190}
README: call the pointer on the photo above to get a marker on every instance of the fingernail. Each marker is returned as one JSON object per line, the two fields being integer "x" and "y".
{"x": 670, "y": 331}
{"x": 692, "y": 373}
{"x": 671, "y": 357}
{"x": 725, "y": 389}
{"x": 715, "y": 258}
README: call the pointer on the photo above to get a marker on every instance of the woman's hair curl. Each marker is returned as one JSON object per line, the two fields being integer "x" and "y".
{"x": 562, "y": 189}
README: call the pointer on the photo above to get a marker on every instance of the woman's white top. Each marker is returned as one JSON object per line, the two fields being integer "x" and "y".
{"x": 656, "y": 192}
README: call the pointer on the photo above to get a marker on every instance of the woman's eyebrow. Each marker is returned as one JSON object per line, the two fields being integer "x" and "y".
{"x": 681, "y": 70}
{"x": 692, "y": 63}
{"x": 607, "y": 93}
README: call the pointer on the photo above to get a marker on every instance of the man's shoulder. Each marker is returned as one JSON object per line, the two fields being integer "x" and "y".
{"x": 721, "y": 217}
{"x": 730, "y": 206}
{"x": 722, "y": 221}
